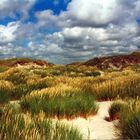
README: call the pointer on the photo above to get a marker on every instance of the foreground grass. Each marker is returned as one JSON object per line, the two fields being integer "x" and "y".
{"x": 128, "y": 113}
{"x": 15, "y": 126}
{"x": 129, "y": 125}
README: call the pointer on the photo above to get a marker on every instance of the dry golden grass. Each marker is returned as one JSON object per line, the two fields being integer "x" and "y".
{"x": 6, "y": 85}
{"x": 62, "y": 96}
{"x": 16, "y": 126}
{"x": 59, "y": 89}
{"x": 106, "y": 87}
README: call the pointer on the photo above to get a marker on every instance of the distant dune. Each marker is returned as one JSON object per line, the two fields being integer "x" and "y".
{"x": 24, "y": 62}
{"x": 115, "y": 62}
{"x": 107, "y": 62}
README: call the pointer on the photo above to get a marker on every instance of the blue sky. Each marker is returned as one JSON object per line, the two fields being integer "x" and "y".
{"x": 64, "y": 31}
{"x": 55, "y": 5}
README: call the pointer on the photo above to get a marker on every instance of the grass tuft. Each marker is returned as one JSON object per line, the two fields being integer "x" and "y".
{"x": 61, "y": 102}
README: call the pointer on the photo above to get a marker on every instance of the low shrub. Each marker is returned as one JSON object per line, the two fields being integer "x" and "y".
{"x": 4, "y": 96}
{"x": 37, "y": 85}
{"x": 92, "y": 73}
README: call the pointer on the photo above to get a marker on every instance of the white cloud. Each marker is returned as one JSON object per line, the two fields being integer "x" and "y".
{"x": 92, "y": 13}
{"x": 54, "y": 48}
{"x": 7, "y": 33}
{"x": 80, "y": 43}
{"x": 11, "y": 7}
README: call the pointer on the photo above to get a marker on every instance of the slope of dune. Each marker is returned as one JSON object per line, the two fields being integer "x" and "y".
{"x": 116, "y": 62}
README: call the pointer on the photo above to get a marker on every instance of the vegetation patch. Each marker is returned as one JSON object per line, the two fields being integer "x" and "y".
{"x": 5, "y": 91}
{"x": 129, "y": 123}
{"x": 60, "y": 101}
{"x": 115, "y": 109}
{"x": 15, "y": 126}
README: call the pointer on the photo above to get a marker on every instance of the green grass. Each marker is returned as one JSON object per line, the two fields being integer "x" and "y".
{"x": 68, "y": 104}
{"x": 4, "y": 96}
{"x": 23, "y": 89}
{"x": 131, "y": 127}
{"x": 3, "y": 69}
{"x": 17, "y": 77}
{"x": 15, "y": 126}
{"x": 129, "y": 123}
{"x": 115, "y": 109}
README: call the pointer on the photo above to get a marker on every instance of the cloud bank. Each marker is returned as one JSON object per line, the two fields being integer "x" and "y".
{"x": 85, "y": 30}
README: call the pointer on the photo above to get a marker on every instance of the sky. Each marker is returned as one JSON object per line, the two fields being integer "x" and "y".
{"x": 65, "y": 31}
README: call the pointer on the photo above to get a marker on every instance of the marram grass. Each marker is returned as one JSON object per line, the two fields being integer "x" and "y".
{"x": 129, "y": 122}
{"x": 60, "y": 101}
{"x": 15, "y": 126}
{"x": 6, "y": 88}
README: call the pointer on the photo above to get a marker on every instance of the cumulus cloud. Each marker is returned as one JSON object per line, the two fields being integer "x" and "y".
{"x": 7, "y": 33}
{"x": 92, "y": 13}
{"x": 11, "y": 8}
{"x": 84, "y": 43}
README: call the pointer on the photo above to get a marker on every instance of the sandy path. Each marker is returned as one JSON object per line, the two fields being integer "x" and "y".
{"x": 95, "y": 127}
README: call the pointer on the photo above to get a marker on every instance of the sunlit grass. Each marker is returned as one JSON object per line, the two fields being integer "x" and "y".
{"x": 15, "y": 126}
{"x": 107, "y": 87}
{"x": 65, "y": 92}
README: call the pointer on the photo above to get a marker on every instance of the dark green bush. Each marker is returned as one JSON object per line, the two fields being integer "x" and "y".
{"x": 115, "y": 109}
{"x": 42, "y": 72}
{"x": 38, "y": 85}
{"x": 93, "y": 73}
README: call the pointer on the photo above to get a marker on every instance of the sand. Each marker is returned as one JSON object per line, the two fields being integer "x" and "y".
{"x": 95, "y": 127}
